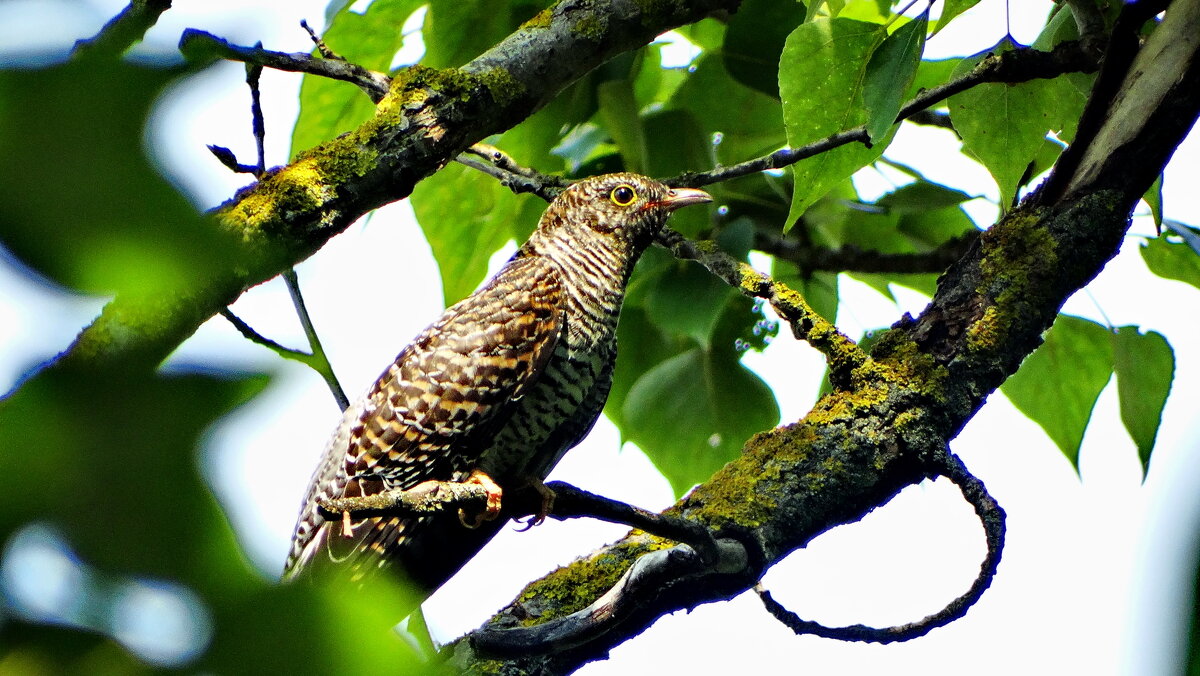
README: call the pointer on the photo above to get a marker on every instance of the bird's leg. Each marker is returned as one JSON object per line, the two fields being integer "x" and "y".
{"x": 546, "y": 507}
{"x": 494, "y": 493}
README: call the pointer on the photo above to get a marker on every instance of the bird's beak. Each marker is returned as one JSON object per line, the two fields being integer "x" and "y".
{"x": 682, "y": 197}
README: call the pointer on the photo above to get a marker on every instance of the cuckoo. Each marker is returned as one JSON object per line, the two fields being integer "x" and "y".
{"x": 497, "y": 389}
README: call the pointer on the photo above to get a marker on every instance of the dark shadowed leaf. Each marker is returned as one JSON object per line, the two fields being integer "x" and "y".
{"x": 1145, "y": 368}
{"x": 890, "y": 71}
{"x": 754, "y": 41}
{"x": 619, "y": 114}
{"x": 1058, "y": 384}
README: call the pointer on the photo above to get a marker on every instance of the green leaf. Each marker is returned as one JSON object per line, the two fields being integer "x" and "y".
{"x": 890, "y": 71}
{"x": 1004, "y": 126}
{"x": 457, "y": 31}
{"x": 467, "y": 216}
{"x": 83, "y": 204}
{"x": 922, "y": 196}
{"x": 821, "y": 77}
{"x": 951, "y": 9}
{"x": 675, "y": 144}
{"x": 1057, "y": 386}
{"x": 1153, "y": 199}
{"x": 371, "y": 40}
{"x": 640, "y": 346}
{"x": 754, "y": 41}
{"x": 686, "y": 300}
{"x": 1172, "y": 260}
{"x": 747, "y": 120}
{"x": 692, "y": 413}
{"x": 1145, "y": 368}
{"x": 619, "y": 113}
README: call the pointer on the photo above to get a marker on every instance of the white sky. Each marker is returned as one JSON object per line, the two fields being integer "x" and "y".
{"x": 1094, "y": 571}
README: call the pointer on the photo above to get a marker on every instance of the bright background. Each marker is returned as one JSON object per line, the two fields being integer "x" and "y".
{"x": 1097, "y": 572}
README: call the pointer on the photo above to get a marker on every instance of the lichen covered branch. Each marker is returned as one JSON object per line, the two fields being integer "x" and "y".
{"x": 124, "y": 30}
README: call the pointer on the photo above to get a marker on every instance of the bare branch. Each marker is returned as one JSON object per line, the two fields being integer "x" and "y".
{"x": 1010, "y": 67}
{"x": 124, "y": 30}
{"x": 318, "y": 359}
{"x": 853, "y": 259}
{"x": 200, "y": 44}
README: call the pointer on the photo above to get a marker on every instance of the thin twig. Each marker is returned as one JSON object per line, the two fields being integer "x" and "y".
{"x": 255, "y": 337}
{"x": 512, "y": 175}
{"x": 850, "y": 258}
{"x": 227, "y": 158}
{"x": 123, "y": 30}
{"x": 991, "y": 516}
{"x": 323, "y": 48}
{"x": 318, "y": 359}
{"x": 253, "y": 73}
{"x": 1011, "y": 67}
{"x": 197, "y": 44}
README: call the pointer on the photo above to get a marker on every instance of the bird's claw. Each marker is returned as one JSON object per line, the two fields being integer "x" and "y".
{"x": 494, "y": 494}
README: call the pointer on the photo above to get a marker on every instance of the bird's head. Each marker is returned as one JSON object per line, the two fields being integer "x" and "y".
{"x": 625, "y": 210}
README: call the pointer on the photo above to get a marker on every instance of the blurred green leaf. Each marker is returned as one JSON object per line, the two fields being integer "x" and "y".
{"x": 951, "y": 9}
{"x": 640, "y": 346}
{"x": 1171, "y": 260}
{"x": 890, "y": 71}
{"x": 83, "y": 203}
{"x": 457, "y": 31}
{"x": 1057, "y": 386}
{"x": 467, "y": 216}
{"x": 821, "y": 77}
{"x": 371, "y": 40}
{"x": 754, "y": 42}
{"x": 619, "y": 113}
{"x": 747, "y": 121}
{"x": 1145, "y": 368}
{"x": 686, "y": 300}
{"x": 692, "y": 413}
{"x": 675, "y": 144}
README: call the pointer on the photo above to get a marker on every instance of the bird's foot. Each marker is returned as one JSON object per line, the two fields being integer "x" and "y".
{"x": 494, "y": 493}
{"x": 546, "y": 507}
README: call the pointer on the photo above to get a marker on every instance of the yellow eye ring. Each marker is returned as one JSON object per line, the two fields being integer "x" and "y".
{"x": 623, "y": 195}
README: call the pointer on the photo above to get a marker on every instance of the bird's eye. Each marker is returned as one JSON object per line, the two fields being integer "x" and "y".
{"x": 623, "y": 195}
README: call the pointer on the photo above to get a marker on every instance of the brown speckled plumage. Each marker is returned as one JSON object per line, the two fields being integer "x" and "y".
{"x": 506, "y": 381}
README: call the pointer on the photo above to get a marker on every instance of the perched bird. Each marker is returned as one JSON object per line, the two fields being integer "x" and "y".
{"x": 497, "y": 389}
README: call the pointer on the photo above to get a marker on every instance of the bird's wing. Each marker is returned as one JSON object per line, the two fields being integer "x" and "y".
{"x": 432, "y": 413}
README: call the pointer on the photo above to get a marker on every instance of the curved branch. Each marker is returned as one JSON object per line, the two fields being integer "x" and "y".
{"x": 991, "y": 516}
